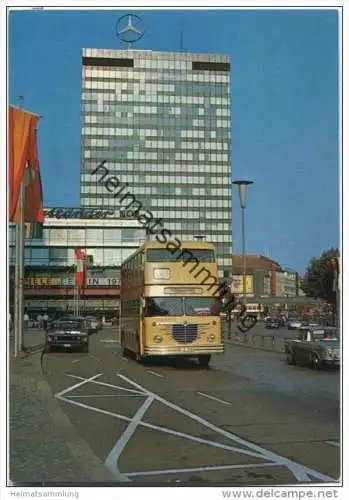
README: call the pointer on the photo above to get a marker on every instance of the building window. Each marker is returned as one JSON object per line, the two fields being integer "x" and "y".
{"x": 129, "y": 235}
{"x": 93, "y": 236}
{"x": 58, "y": 255}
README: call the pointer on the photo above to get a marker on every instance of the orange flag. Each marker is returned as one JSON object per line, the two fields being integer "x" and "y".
{"x": 23, "y": 152}
{"x": 81, "y": 267}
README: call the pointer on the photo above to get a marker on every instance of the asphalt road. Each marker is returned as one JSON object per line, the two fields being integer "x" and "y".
{"x": 248, "y": 420}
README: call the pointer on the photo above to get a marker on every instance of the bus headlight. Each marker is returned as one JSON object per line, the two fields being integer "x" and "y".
{"x": 157, "y": 339}
{"x": 211, "y": 337}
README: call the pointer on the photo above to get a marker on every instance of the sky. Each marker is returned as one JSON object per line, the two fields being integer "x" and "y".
{"x": 285, "y": 109}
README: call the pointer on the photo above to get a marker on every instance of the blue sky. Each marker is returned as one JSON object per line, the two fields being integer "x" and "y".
{"x": 285, "y": 121}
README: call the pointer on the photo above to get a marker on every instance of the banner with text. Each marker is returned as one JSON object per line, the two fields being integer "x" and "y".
{"x": 237, "y": 284}
{"x": 69, "y": 281}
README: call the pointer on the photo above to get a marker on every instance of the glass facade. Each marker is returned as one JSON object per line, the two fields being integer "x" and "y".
{"x": 107, "y": 243}
{"x": 161, "y": 123}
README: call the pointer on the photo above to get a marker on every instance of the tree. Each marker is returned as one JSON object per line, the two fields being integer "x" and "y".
{"x": 318, "y": 279}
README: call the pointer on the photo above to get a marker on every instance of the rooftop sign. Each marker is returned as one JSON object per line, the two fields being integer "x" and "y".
{"x": 82, "y": 213}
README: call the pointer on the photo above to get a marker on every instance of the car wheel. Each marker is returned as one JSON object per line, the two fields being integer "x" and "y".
{"x": 315, "y": 362}
{"x": 290, "y": 358}
{"x": 123, "y": 348}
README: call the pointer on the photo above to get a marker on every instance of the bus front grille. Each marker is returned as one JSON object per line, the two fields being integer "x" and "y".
{"x": 185, "y": 333}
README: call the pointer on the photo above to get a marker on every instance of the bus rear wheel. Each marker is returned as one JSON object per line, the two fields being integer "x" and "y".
{"x": 123, "y": 348}
{"x": 204, "y": 360}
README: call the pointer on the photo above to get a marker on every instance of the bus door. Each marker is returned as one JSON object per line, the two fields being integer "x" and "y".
{"x": 141, "y": 327}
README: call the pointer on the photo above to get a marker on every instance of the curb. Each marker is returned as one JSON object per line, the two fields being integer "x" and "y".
{"x": 26, "y": 352}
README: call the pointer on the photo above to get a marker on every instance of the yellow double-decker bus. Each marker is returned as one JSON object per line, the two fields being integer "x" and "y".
{"x": 169, "y": 302}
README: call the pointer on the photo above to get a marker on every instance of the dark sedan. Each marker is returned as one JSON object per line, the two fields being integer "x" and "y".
{"x": 273, "y": 323}
{"x": 68, "y": 333}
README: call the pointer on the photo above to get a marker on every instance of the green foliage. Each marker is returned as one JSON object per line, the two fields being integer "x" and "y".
{"x": 318, "y": 279}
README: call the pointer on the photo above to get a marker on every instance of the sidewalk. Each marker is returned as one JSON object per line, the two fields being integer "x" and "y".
{"x": 44, "y": 445}
{"x": 33, "y": 340}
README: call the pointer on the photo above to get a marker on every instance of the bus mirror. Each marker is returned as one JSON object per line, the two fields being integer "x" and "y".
{"x": 142, "y": 302}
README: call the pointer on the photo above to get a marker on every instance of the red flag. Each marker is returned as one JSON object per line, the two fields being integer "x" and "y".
{"x": 81, "y": 267}
{"x": 23, "y": 153}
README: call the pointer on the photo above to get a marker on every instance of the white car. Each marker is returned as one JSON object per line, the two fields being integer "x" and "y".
{"x": 294, "y": 324}
{"x": 93, "y": 323}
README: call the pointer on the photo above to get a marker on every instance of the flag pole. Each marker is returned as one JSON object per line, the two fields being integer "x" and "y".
{"x": 21, "y": 229}
{"x": 74, "y": 300}
{"x": 19, "y": 276}
{"x": 17, "y": 284}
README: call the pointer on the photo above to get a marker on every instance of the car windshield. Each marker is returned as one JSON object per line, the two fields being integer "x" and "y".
{"x": 326, "y": 335}
{"x": 69, "y": 325}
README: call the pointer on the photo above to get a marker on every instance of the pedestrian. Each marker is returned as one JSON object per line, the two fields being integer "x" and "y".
{"x": 45, "y": 321}
{"x": 26, "y": 320}
{"x": 39, "y": 320}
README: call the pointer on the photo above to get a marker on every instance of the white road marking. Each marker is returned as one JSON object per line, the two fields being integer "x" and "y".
{"x": 112, "y": 459}
{"x": 200, "y": 469}
{"x": 162, "y": 429}
{"x": 109, "y": 341}
{"x": 105, "y": 384}
{"x": 333, "y": 443}
{"x": 214, "y": 399}
{"x": 125, "y": 359}
{"x": 154, "y": 373}
{"x": 106, "y": 396}
{"x": 76, "y": 361}
{"x": 79, "y": 384}
{"x": 300, "y": 472}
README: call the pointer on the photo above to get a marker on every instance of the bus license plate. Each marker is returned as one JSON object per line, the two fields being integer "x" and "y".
{"x": 185, "y": 349}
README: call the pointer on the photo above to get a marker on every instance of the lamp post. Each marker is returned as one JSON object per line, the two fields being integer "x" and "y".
{"x": 242, "y": 185}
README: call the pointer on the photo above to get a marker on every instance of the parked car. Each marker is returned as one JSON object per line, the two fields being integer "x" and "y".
{"x": 71, "y": 317}
{"x": 315, "y": 347}
{"x": 294, "y": 323}
{"x": 95, "y": 323}
{"x": 272, "y": 322}
{"x": 67, "y": 333}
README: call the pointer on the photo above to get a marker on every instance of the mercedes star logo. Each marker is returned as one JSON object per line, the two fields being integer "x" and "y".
{"x": 133, "y": 31}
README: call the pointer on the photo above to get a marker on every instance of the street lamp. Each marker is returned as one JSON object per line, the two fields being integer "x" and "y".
{"x": 242, "y": 185}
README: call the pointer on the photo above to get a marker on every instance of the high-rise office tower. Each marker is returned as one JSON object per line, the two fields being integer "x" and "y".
{"x": 161, "y": 122}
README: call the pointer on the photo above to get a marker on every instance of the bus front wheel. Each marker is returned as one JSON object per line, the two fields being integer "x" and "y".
{"x": 204, "y": 360}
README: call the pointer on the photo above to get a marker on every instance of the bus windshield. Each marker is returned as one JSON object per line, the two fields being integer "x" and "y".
{"x": 183, "y": 255}
{"x": 179, "y": 306}
{"x": 202, "y": 306}
{"x": 163, "y": 306}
